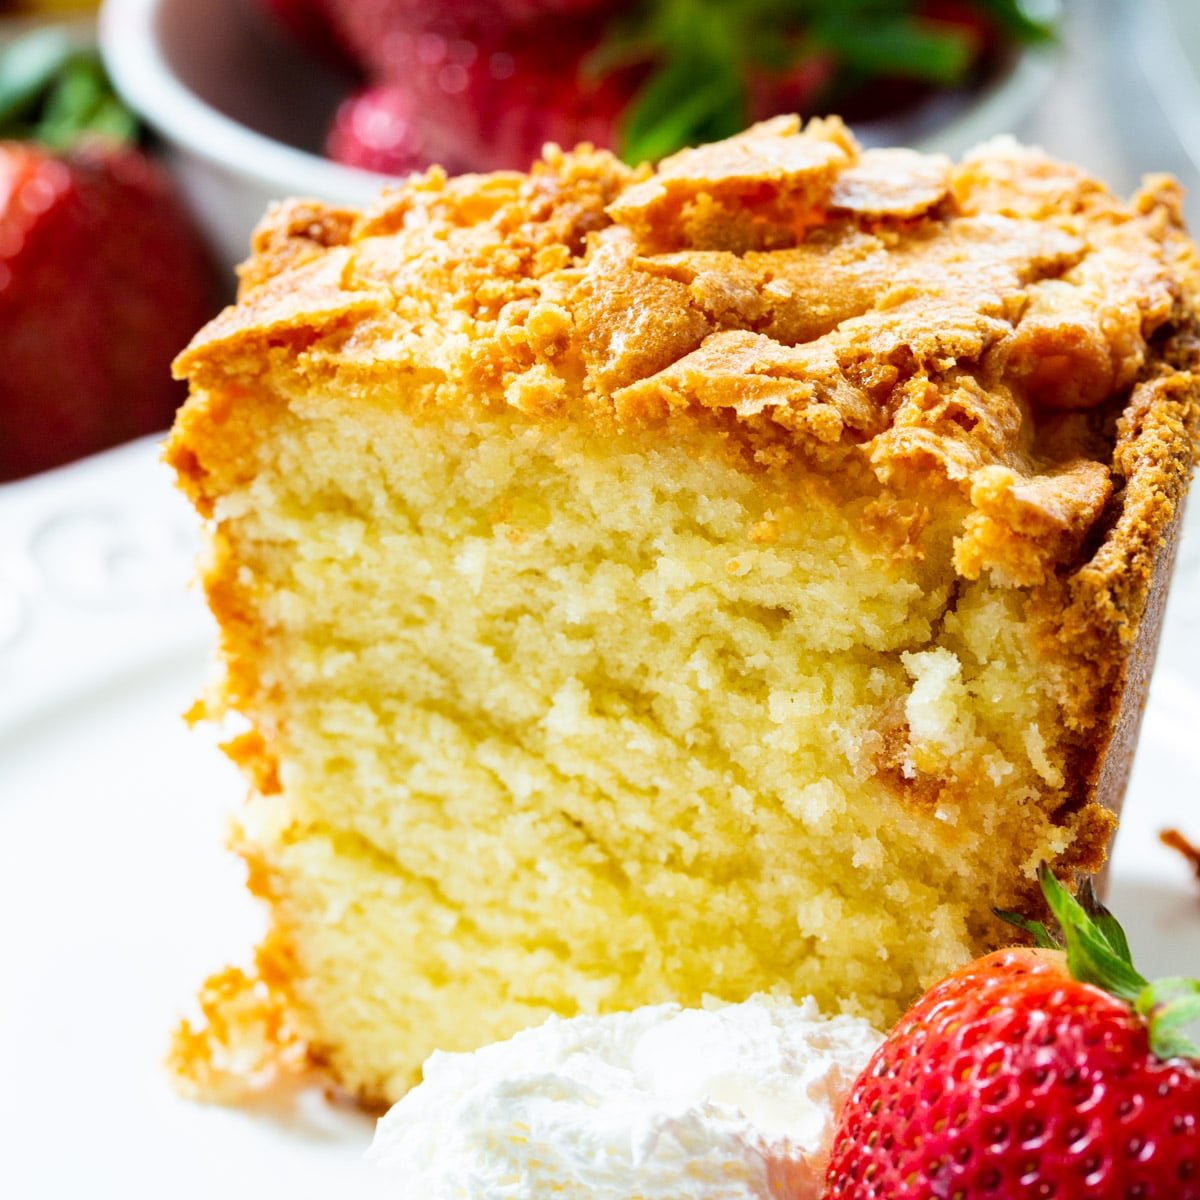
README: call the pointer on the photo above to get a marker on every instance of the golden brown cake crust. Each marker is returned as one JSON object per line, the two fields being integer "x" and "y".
{"x": 971, "y": 321}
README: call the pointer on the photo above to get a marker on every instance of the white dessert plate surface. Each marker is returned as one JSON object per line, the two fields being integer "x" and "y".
{"x": 116, "y": 896}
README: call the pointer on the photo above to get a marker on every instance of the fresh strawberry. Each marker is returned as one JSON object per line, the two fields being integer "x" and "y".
{"x": 308, "y": 22}
{"x": 647, "y": 77}
{"x": 493, "y": 105}
{"x": 103, "y": 279}
{"x": 481, "y": 104}
{"x": 379, "y": 129}
{"x": 381, "y": 34}
{"x": 1032, "y": 1073}
{"x": 102, "y": 282}
{"x": 794, "y": 90}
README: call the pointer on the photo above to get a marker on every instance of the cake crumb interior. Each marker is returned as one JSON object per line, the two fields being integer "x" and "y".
{"x": 575, "y": 724}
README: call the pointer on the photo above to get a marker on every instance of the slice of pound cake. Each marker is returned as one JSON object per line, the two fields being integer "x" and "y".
{"x": 648, "y": 585}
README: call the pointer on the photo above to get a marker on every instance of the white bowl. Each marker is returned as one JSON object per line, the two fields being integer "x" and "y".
{"x": 243, "y": 112}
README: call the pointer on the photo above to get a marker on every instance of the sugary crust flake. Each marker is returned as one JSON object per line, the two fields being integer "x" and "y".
{"x": 246, "y": 1043}
{"x": 892, "y": 183}
{"x": 758, "y": 188}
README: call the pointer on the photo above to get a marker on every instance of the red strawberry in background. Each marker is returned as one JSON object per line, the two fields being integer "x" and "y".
{"x": 494, "y": 104}
{"x": 481, "y": 103}
{"x": 310, "y": 24}
{"x": 1032, "y": 1073}
{"x": 379, "y": 128}
{"x": 103, "y": 277}
{"x": 370, "y": 28}
{"x": 489, "y": 81}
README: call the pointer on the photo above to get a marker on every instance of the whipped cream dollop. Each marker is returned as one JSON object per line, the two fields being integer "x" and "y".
{"x": 725, "y": 1102}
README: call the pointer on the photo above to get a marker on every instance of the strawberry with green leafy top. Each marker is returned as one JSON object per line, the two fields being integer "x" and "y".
{"x": 103, "y": 277}
{"x": 482, "y": 103}
{"x": 1032, "y": 1074}
{"x": 486, "y": 82}
{"x": 309, "y": 23}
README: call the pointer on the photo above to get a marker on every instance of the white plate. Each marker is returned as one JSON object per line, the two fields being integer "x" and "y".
{"x": 116, "y": 897}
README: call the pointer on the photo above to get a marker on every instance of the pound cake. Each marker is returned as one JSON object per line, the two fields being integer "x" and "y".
{"x": 643, "y": 585}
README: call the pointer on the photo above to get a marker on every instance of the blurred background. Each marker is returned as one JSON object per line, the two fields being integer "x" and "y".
{"x": 145, "y": 140}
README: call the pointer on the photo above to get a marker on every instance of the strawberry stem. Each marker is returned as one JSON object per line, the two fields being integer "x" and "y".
{"x": 701, "y": 56}
{"x": 1098, "y": 953}
{"x": 1109, "y": 926}
{"x": 55, "y": 91}
{"x": 1036, "y": 929}
{"x": 1169, "y": 1006}
{"x": 1091, "y": 956}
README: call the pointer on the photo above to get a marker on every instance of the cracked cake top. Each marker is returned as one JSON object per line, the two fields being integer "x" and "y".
{"x": 991, "y": 328}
